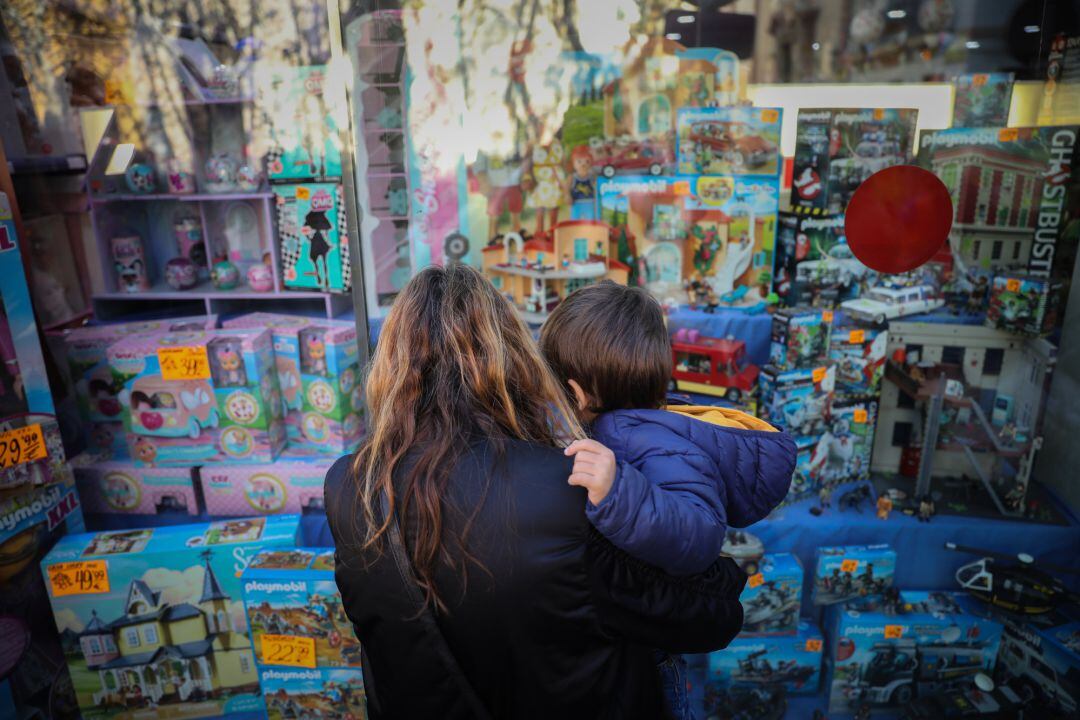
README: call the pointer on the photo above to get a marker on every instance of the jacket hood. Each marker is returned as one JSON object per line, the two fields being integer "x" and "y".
{"x": 721, "y": 416}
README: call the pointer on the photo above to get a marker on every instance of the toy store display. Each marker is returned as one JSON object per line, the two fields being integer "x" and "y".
{"x": 289, "y": 485}
{"x": 729, "y": 141}
{"x": 772, "y": 596}
{"x": 797, "y": 401}
{"x": 814, "y": 265}
{"x": 1023, "y": 304}
{"x": 793, "y": 661}
{"x": 713, "y": 366}
{"x": 800, "y": 338}
{"x": 852, "y": 572}
{"x": 155, "y": 616}
{"x": 314, "y": 240}
{"x": 121, "y": 486}
{"x": 982, "y": 100}
{"x": 859, "y": 355}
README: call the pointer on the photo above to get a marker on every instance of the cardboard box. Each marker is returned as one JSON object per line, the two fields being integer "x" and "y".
{"x": 800, "y": 338}
{"x": 852, "y": 571}
{"x": 772, "y": 596}
{"x": 314, "y": 693}
{"x": 290, "y": 485}
{"x": 314, "y": 240}
{"x": 1044, "y": 661}
{"x": 1023, "y": 304}
{"x": 121, "y": 486}
{"x": 793, "y": 661}
{"x": 797, "y": 400}
{"x": 859, "y": 354}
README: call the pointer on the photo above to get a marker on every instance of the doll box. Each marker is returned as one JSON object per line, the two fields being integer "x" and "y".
{"x": 859, "y": 355}
{"x": 286, "y": 486}
{"x": 201, "y": 396}
{"x": 772, "y": 596}
{"x": 159, "y": 618}
{"x": 292, "y": 592}
{"x": 313, "y": 693}
{"x": 1023, "y": 304}
{"x": 304, "y": 130}
{"x": 119, "y": 486}
{"x": 800, "y": 338}
{"x": 791, "y": 660}
{"x": 852, "y": 571}
{"x": 797, "y": 401}
{"x": 314, "y": 240}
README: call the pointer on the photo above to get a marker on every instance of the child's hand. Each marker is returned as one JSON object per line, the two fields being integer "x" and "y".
{"x": 594, "y": 468}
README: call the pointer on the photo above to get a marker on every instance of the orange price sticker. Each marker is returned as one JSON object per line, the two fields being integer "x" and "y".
{"x": 849, "y": 565}
{"x": 755, "y": 580}
{"x": 813, "y": 645}
{"x": 1012, "y": 285}
{"x": 978, "y": 80}
{"x": 894, "y": 632}
{"x": 22, "y": 445}
{"x": 184, "y": 363}
{"x": 859, "y": 416}
{"x": 879, "y": 113}
{"x": 291, "y": 650}
{"x": 682, "y": 187}
{"x": 770, "y": 116}
{"x": 818, "y": 375}
{"x": 114, "y": 93}
{"x": 827, "y": 316}
{"x": 857, "y": 337}
{"x": 1008, "y": 134}
{"x": 83, "y": 577}
{"x": 302, "y": 193}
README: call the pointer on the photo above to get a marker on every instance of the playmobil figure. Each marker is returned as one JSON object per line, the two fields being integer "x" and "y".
{"x": 130, "y": 263}
{"x": 315, "y": 227}
{"x": 854, "y": 498}
{"x": 500, "y": 180}
{"x": 582, "y": 186}
{"x": 926, "y": 508}
{"x": 825, "y": 497}
{"x": 884, "y": 506}
{"x": 547, "y": 183}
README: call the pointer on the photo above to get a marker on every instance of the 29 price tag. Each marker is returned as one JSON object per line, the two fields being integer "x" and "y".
{"x": 813, "y": 645}
{"x": 1012, "y": 285}
{"x": 82, "y": 577}
{"x": 857, "y": 337}
{"x": 849, "y": 565}
{"x": 291, "y": 650}
{"x": 184, "y": 363}
{"x": 755, "y": 580}
{"x": 894, "y": 632}
{"x": 22, "y": 445}
{"x": 1008, "y": 134}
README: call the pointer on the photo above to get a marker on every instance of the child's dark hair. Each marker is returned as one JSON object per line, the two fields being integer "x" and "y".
{"x": 610, "y": 339}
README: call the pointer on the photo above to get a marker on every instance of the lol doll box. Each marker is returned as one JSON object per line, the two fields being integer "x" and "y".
{"x": 121, "y": 486}
{"x": 290, "y": 485}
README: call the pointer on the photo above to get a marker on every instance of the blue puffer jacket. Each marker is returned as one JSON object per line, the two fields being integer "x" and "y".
{"x": 685, "y": 474}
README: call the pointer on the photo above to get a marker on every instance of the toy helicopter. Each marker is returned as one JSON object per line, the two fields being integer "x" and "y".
{"x": 1013, "y": 584}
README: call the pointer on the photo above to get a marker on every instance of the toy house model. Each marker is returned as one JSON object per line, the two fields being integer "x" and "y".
{"x": 536, "y": 274}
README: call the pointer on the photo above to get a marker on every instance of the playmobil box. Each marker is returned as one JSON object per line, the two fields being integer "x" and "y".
{"x": 319, "y": 375}
{"x": 797, "y": 400}
{"x": 196, "y": 397}
{"x": 314, "y": 240}
{"x": 793, "y": 661}
{"x": 883, "y": 655}
{"x": 729, "y": 140}
{"x": 159, "y": 617}
{"x": 804, "y": 479}
{"x": 96, "y": 387}
{"x": 814, "y": 265}
{"x": 292, "y": 592}
{"x": 313, "y": 693}
{"x": 1044, "y": 660}
{"x": 31, "y": 521}
{"x": 859, "y": 355}
{"x": 842, "y": 453}
{"x": 121, "y": 486}
{"x": 1023, "y": 304}
{"x": 852, "y": 571}
{"x": 772, "y": 596}
{"x": 289, "y": 485}
{"x": 800, "y": 338}
{"x": 33, "y": 450}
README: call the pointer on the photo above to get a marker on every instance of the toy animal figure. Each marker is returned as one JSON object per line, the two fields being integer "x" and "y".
{"x": 316, "y": 225}
{"x": 884, "y": 507}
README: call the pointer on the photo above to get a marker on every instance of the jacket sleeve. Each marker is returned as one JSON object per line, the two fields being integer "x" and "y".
{"x": 669, "y": 513}
{"x": 690, "y": 614}
{"x": 758, "y": 477}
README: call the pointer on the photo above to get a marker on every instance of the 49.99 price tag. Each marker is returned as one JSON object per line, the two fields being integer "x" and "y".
{"x": 82, "y": 577}
{"x": 291, "y": 650}
{"x": 22, "y": 445}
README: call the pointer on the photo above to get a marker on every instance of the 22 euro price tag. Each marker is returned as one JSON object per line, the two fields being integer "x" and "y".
{"x": 894, "y": 632}
{"x": 184, "y": 363}
{"x": 849, "y": 565}
{"x": 22, "y": 445}
{"x": 755, "y": 580}
{"x": 83, "y": 577}
{"x": 290, "y": 650}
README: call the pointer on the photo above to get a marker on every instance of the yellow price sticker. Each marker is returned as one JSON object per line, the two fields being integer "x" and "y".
{"x": 860, "y": 416}
{"x": 818, "y": 375}
{"x": 813, "y": 645}
{"x": 302, "y": 193}
{"x": 849, "y": 565}
{"x": 1012, "y": 285}
{"x": 82, "y": 577}
{"x": 894, "y": 632}
{"x": 22, "y": 445}
{"x": 827, "y": 316}
{"x": 184, "y": 363}
{"x": 755, "y": 580}
{"x": 114, "y": 93}
{"x": 682, "y": 187}
{"x": 770, "y": 116}
{"x": 879, "y": 113}
{"x": 291, "y": 650}
{"x": 979, "y": 80}
{"x": 857, "y": 337}
{"x": 1008, "y": 134}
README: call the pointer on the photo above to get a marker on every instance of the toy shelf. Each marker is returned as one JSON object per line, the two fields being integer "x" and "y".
{"x": 169, "y": 197}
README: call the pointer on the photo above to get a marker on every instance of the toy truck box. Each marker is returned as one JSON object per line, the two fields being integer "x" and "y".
{"x": 96, "y": 387}
{"x": 800, "y": 338}
{"x": 195, "y": 397}
{"x": 1043, "y": 662}
{"x": 793, "y": 661}
{"x": 158, "y": 616}
{"x": 121, "y": 486}
{"x": 290, "y": 485}
{"x": 851, "y": 572}
{"x": 884, "y": 655}
{"x": 313, "y": 693}
{"x": 859, "y": 355}
{"x": 1023, "y": 304}
{"x": 772, "y": 596}
{"x": 318, "y": 370}
{"x": 797, "y": 400}
{"x": 292, "y": 592}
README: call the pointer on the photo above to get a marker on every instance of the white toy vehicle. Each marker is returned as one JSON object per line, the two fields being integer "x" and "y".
{"x": 839, "y": 265}
{"x": 886, "y": 302}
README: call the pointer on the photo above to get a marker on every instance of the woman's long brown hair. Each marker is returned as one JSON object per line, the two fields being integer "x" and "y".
{"x": 454, "y": 362}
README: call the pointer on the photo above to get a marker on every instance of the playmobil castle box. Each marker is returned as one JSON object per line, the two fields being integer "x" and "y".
{"x": 318, "y": 370}
{"x": 859, "y": 355}
{"x": 313, "y": 693}
{"x": 851, "y": 572}
{"x": 292, "y": 592}
{"x": 800, "y": 338}
{"x": 1043, "y": 658}
{"x": 772, "y": 596}
{"x": 884, "y": 655}
{"x": 1022, "y": 304}
{"x": 195, "y": 397}
{"x": 290, "y": 485}
{"x": 797, "y": 400}
{"x": 314, "y": 241}
{"x": 159, "y": 618}
{"x": 793, "y": 661}
{"x": 96, "y": 387}
{"x": 121, "y": 486}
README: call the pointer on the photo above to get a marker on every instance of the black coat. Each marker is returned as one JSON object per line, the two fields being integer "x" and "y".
{"x": 564, "y": 624}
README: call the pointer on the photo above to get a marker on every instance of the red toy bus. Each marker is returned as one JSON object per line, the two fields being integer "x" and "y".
{"x": 712, "y": 366}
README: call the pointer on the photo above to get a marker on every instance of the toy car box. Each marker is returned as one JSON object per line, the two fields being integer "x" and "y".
{"x": 884, "y": 655}
{"x": 852, "y": 571}
{"x": 292, "y": 592}
{"x": 96, "y": 387}
{"x": 195, "y": 397}
{"x": 1043, "y": 662}
{"x": 859, "y": 356}
{"x": 313, "y": 693}
{"x": 793, "y": 661}
{"x": 121, "y": 486}
{"x": 158, "y": 616}
{"x": 1023, "y": 304}
{"x": 319, "y": 375}
{"x": 797, "y": 400}
{"x": 290, "y": 485}
{"x": 800, "y": 338}
{"x": 772, "y": 596}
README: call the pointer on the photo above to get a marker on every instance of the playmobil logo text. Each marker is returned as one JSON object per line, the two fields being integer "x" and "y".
{"x": 870, "y": 630}
{"x": 635, "y": 186}
{"x": 275, "y": 587}
{"x": 823, "y": 223}
{"x": 291, "y": 675}
{"x": 55, "y": 505}
{"x": 1050, "y": 206}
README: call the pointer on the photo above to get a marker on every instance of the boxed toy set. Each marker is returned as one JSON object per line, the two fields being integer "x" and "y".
{"x": 318, "y": 372}
{"x": 195, "y": 397}
{"x": 814, "y": 265}
{"x": 859, "y": 354}
{"x": 982, "y": 100}
{"x": 883, "y": 656}
{"x": 793, "y": 661}
{"x": 851, "y": 572}
{"x": 314, "y": 240}
{"x": 797, "y": 400}
{"x": 729, "y": 140}
{"x": 842, "y": 453}
{"x": 772, "y": 596}
{"x": 156, "y": 616}
{"x": 121, "y": 486}
{"x": 800, "y": 338}
{"x": 292, "y": 592}
{"x": 313, "y": 693}
{"x": 289, "y": 485}
{"x": 1043, "y": 660}
{"x": 1022, "y": 304}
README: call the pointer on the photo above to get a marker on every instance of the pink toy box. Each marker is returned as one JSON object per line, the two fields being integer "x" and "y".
{"x": 204, "y": 396}
{"x": 290, "y": 485}
{"x": 95, "y": 385}
{"x": 319, "y": 375}
{"x": 120, "y": 486}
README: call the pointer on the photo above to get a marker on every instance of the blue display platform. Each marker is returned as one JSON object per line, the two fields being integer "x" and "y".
{"x": 754, "y": 329}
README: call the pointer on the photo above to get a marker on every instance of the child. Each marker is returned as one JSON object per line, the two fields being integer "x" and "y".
{"x": 664, "y": 482}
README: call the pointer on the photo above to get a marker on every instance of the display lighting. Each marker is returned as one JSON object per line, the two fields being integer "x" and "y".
{"x": 685, "y": 19}
{"x": 896, "y": 14}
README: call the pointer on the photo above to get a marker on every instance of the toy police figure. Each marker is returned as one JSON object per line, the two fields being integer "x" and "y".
{"x": 825, "y": 497}
{"x": 926, "y": 508}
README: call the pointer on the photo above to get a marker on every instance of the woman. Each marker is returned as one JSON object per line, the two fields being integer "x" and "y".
{"x": 502, "y": 601}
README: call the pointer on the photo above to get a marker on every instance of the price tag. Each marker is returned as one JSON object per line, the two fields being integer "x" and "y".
{"x": 818, "y": 375}
{"x": 1012, "y": 285}
{"x": 813, "y": 645}
{"x": 770, "y": 116}
{"x": 682, "y": 187}
{"x": 979, "y": 80}
{"x": 879, "y": 113}
{"x": 857, "y": 337}
{"x": 755, "y": 580}
{"x": 860, "y": 416}
{"x": 114, "y": 93}
{"x": 827, "y": 316}
{"x": 83, "y": 577}
{"x": 1008, "y": 134}
{"x": 184, "y": 363}
{"x": 894, "y": 632}
{"x": 849, "y": 565}
{"x": 288, "y": 650}
{"x": 22, "y": 445}
{"x": 302, "y": 193}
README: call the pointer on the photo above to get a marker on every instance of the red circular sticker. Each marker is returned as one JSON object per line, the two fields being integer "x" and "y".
{"x": 898, "y": 219}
